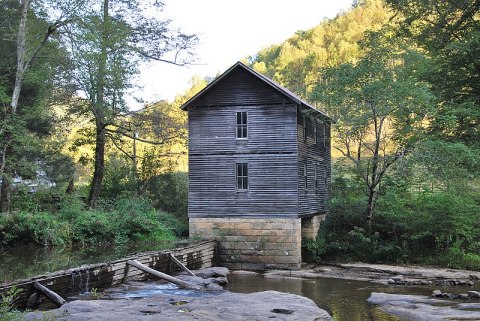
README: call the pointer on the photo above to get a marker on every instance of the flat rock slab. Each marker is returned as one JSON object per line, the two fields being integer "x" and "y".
{"x": 423, "y": 308}
{"x": 259, "y": 306}
{"x": 388, "y": 274}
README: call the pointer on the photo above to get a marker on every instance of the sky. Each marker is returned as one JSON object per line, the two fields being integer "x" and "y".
{"x": 229, "y": 31}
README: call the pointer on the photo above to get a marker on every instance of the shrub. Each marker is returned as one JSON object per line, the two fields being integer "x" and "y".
{"x": 39, "y": 227}
{"x": 119, "y": 221}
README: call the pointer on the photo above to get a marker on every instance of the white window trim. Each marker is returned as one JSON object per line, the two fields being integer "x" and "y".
{"x": 305, "y": 176}
{"x": 238, "y": 125}
{"x": 243, "y": 176}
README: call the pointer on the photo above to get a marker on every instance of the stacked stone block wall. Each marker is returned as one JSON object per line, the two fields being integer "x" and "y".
{"x": 310, "y": 225}
{"x": 253, "y": 243}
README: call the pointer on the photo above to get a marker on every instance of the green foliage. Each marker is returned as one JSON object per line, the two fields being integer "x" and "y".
{"x": 296, "y": 63}
{"x": 450, "y": 33}
{"x": 7, "y": 312}
{"x": 170, "y": 191}
{"x": 437, "y": 228}
{"x": 118, "y": 221}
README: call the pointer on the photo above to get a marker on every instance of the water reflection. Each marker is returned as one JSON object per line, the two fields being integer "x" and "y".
{"x": 345, "y": 300}
{"x": 25, "y": 261}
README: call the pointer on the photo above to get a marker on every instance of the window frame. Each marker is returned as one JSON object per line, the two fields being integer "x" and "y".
{"x": 324, "y": 134}
{"x": 305, "y": 177}
{"x": 304, "y": 129}
{"x": 241, "y": 127}
{"x": 243, "y": 179}
{"x": 315, "y": 133}
{"x": 325, "y": 181}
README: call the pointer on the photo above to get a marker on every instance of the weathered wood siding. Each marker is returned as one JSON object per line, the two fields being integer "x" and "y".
{"x": 270, "y": 150}
{"x": 271, "y": 129}
{"x": 272, "y": 186}
{"x": 314, "y": 199}
{"x": 241, "y": 87}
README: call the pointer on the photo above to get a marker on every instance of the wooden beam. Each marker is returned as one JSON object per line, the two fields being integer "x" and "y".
{"x": 125, "y": 275}
{"x": 57, "y": 299}
{"x": 171, "y": 279}
{"x": 180, "y": 264}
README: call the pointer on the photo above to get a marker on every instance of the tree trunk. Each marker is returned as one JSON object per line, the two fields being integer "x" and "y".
{"x": 100, "y": 114}
{"x": 96, "y": 187}
{"x": 6, "y": 170}
{"x": 5, "y": 200}
{"x": 370, "y": 207}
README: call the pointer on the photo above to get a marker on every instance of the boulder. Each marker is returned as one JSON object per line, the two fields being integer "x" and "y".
{"x": 259, "y": 306}
{"x": 474, "y": 294}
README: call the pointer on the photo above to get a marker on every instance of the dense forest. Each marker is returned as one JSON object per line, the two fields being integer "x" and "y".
{"x": 400, "y": 79}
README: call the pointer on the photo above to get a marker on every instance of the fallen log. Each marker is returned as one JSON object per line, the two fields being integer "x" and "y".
{"x": 180, "y": 264}
{"x": 171, "y": 279}
{"x": 58, "y": 300}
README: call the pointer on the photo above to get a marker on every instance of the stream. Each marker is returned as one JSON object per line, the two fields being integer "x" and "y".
{"x": 345, "y": 300}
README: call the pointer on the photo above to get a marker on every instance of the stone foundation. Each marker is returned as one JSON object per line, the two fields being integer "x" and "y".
{"x": 310, "y": 225}
{"x": 253, "y": 243}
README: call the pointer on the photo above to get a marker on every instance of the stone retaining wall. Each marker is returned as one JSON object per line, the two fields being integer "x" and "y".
{"x": 253, "y": 243}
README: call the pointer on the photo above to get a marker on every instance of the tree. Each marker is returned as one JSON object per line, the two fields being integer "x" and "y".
{"x": 378, "y": 105}
{"x": 33, "y": 35}
{"x": 449, "y": 32}
{"x": 107, "y": 45}
{"x": 295, "y": 62}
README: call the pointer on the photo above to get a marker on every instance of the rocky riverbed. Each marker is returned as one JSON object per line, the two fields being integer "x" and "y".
{"x": 213, "y": 304}
{"x": 424, "y": 308}
{"x": 385, "y": 274}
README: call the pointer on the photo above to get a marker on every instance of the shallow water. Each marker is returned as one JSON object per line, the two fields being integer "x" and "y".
{"x": 345, "y": 300}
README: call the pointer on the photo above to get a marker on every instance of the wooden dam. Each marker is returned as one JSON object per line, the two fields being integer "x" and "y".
{"x": 71, "y": 282}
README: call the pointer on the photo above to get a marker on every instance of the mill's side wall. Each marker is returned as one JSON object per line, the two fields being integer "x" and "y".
{"x": 316, "y": 156}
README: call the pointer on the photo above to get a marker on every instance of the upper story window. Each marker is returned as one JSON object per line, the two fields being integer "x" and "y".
{"x": 325, "y": 178}
{"x": 326, "y": 137}
{"x": 305, "y": 177}
{"x": 242, "y": 176}
{"x": 315, "y": 134}
{"x": 242, "y": 127}
{"x": 304, "y": 127}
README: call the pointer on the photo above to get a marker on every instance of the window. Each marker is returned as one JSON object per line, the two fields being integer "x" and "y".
{"x": 305, "y": 178}
{"x": 316, "y": 176}
{"x": 242, "y": 127}
{"x": 314, "y": 131}
{"x": 304, "y": 125}
{"x": 324, "y": 175}
{"x": 324, "y": 135}
{"x": 242, "y": 176}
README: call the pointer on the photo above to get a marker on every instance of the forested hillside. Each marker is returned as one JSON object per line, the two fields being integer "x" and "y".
{"x": 401, "y": 80}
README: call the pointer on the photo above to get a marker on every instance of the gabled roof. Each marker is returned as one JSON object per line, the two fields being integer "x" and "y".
{"x": 265, "y": 79}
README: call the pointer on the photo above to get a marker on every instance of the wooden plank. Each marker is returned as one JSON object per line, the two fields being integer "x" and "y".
{"x": 171, "y": 279}
{"x": 57, "y": 299}
{"x": 72, "y": 281}
{"x": 180, "y": 264}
